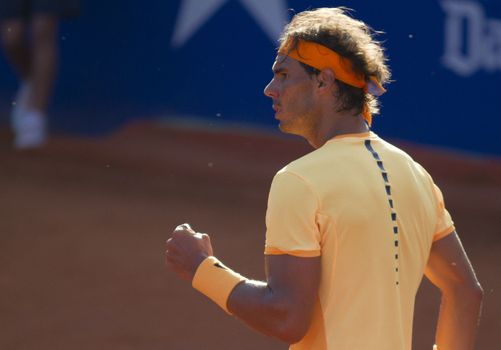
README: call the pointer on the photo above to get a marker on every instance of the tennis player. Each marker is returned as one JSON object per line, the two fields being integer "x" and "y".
{"x": 352, "y": 226}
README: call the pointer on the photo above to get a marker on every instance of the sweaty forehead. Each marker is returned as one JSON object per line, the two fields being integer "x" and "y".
{"x": 283, "y": 62}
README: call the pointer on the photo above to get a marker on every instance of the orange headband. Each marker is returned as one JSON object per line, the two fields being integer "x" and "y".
{"x": 321, "y": 57}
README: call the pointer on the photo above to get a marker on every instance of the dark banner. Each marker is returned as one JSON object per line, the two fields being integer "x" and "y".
{"x": 211, "y": 59}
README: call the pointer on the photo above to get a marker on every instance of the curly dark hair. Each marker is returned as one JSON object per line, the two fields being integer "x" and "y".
{"x": 349, "y": 37}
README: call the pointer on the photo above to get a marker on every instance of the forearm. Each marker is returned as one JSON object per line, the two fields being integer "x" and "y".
{"x": 281, "y": 308}
{"x": 458, "y": 319}
{"x": 260, "y": 307}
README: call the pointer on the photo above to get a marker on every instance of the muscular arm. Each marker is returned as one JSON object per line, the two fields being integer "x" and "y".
{"x": 283, "y": 306}
{"x": 450, "y": 270}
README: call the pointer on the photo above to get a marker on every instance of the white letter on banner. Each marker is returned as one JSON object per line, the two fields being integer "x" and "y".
{"x": 492, "y": 59}
{"x": 463, "y": 62}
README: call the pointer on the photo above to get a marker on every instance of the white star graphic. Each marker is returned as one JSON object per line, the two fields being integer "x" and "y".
{"x": 271, "y": 15}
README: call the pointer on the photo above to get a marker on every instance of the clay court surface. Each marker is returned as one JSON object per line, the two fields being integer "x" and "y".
{"x": 83, "y": 224}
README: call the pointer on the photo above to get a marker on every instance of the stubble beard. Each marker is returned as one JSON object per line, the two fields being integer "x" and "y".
{"x": 298, "y": 126}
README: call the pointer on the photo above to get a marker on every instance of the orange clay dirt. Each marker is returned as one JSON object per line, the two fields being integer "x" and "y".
{"x": 83, "y": 224}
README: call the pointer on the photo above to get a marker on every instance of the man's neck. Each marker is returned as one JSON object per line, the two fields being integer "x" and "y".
{"x": 332, "y": 126}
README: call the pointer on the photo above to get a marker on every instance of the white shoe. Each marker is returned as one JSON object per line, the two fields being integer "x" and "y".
{"x": 30, "y": 129}
{"x": 20, "y": 104}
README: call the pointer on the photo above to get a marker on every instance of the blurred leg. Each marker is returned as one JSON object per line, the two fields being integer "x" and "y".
{"x": 29, "y": 119}
{"x": 16, "y": 46}
{"x": 44, "y": 60}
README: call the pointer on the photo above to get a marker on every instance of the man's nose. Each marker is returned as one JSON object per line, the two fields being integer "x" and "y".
{"x": 270, "y": 90}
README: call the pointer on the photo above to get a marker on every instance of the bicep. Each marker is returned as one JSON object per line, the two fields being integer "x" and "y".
{"x": 448, "y": 265}
{"x": 294, "y": 280}
{"x": 283, "y": 306}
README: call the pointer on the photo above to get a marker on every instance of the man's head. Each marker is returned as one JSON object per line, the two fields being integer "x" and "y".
{"x": 349, "y": 38}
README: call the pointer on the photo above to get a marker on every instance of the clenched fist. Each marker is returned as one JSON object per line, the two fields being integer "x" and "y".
{"x": 185, "y": 250}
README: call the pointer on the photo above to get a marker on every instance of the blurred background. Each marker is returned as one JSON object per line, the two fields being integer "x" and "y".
{"x": 211, "y": 59}
{"x": 158, "y": 117}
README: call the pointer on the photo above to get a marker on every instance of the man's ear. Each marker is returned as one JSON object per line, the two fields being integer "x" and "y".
{"x": 326, "y": 79}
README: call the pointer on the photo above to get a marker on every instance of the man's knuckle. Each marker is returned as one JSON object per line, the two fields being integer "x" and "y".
{"x": 182, "y": 227}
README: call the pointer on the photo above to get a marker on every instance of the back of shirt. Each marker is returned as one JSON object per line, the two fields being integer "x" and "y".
{"x": 371, "y": 213}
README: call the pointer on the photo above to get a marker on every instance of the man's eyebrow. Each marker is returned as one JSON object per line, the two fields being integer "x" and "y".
{"x": 278, "y": 70}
